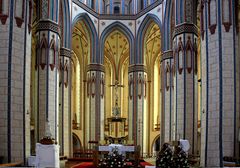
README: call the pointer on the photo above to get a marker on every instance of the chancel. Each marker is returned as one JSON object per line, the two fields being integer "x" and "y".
{"x": 141, "y": 82}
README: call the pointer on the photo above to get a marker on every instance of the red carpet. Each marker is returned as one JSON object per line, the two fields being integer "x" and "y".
{"x": 143, "y": 164}
{"x": 84, "y": 165}
{"x": 90, "y": 165}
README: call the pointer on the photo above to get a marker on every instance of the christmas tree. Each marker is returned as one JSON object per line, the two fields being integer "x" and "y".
{"x": 180, "y": 158}
{"x": 113, "y": 160}
{"x": 165, "y": 157}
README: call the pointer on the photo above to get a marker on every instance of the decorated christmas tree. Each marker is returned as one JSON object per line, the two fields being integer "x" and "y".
{"x": 113, "y": 160}
{"x": 180, "y": 158}
{"x": 165, "y": 157}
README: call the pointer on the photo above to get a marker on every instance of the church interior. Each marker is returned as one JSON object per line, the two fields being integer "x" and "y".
{"x": 119, "y": 83}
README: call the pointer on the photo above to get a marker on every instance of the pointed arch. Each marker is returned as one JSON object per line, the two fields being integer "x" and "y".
{"x": 93, "y": 35}
{"x": 66, "y": 21}
{"x": 155, "y": 142}
{"x": 168, "y": 17}
{"x": 124, "y": 30}
{"x": 141, "y": 33}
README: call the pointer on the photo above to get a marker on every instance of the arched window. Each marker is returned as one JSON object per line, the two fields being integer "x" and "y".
{"x": 116, "y": 9}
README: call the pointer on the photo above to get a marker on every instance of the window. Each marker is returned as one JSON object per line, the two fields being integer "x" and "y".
{"x": 116, "y": 10}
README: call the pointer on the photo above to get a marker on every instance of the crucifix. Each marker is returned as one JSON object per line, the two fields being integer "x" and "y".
{"x": 116, "y": 86}
{"x": 116, "y": 109}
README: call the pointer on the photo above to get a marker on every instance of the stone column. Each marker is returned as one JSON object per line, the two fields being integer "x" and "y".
{"x": 15, "y": 63}
{"x": 167, "y": 116}
{"x": 94, "y": 118}
{"x": 138, "y": 118}
{"x": 185, "y": 82}
{"x": 47, "y": 65}
{"x": 65, "y": 129}
{"x": 220, "y": 82}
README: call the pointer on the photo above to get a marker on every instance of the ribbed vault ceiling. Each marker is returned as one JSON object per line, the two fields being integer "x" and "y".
{"x": 81, "y": 42}
{"x": 116, "y": 50}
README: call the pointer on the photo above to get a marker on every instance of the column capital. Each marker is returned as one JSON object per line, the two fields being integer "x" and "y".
{"x": 185, "y": 28}
{"x": 167, "y": 55}
{"x": 49, "y": 25}
{"x": 136, "y": 68}
{"x": 65, "y": 52}
{"x": 95, "y": 67}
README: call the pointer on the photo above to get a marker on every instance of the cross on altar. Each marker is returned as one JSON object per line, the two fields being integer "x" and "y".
{"x": 116, "y": 86}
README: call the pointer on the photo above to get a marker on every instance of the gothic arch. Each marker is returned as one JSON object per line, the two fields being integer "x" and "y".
{"x": 76, "y": 142}
{"x": 154, "y": 142}
{"x": 66, "y": 23}
{"x": 123, "y": 29}
{"x": 92, "y": 31}
{"x": 141, "y": 33}
{"x": 167, "y": 26}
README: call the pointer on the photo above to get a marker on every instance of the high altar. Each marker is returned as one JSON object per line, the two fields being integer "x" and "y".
{"x": 129, "y": 151}
{"x": 116, "y": 126}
